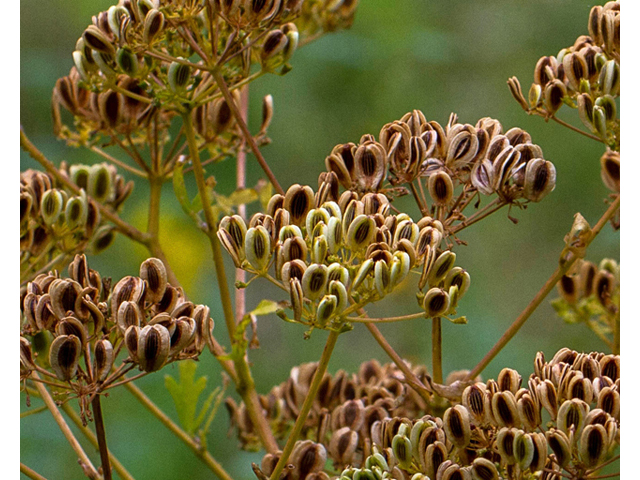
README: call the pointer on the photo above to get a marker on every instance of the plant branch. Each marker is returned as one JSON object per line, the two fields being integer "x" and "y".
{"x": 120, "y": 163}
{"x": 196, "y": 447}
{"x": 85, "y": 463}
{"x": 541, "y": 295}
{"x": 436, "y": 349}
{"x": 306, "y": 406}
{"x": 401, "y": 318}
{"x": 30, "y": 473}
{"x": 495, "y": 205}
{"x": 102, "y": 438}
{"x": 117, "y": 466}
{"x": 576, "y": 129}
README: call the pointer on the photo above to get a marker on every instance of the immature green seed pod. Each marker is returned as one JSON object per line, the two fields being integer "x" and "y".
{"x": 291, "y": 32}
{"x": 64, "y": 353}
{"x": 401, "y": 447}
{"x": 320, "y": 249}
{"x": 441, "y": 267}
{"x": 361, "y": 233}
{"x": 76, "y": 212}
{"x": 523, "y": 449}
{"x": 585, "y": 110}
{"x": 314, "y": 281}
{"x": 99, "y": 185}
{"x": 178, "y": 76}
{"x": 257, "y": 248}
{"x": 103, "y": 358}
{"x": 127, "y": 61}
{"x": 381, "y": 277}
{"x": 458, "y": 277}
{"x": 326, "y": 309}
{"x": 105, "y": 62}
{"x": 82, "y": 64}
{"x": 51, "y": 206}
{"x": 535, "y": 95}
{"x": 610, "y": 78}
{"x": 400, "y": 267}
{"x": 608, "y": 104}
{"x": 337, "y": 289}
{"x": 102, "y": 239}
{"x": 154, "y": 342}
{"x": 274, "y": 43}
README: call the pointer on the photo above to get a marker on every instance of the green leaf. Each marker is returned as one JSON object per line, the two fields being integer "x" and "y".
{"x": 185, "y": 393}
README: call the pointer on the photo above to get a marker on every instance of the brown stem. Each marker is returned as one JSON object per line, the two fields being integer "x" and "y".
{"x": 576, "y": 129}
{"x": 30, "y": 473}
{"x": 102, "y": 438}
{"x": 117, "y": 466}
{"x": 492, "y": 207}
{"x": 84, "y": 461}
{"x": 410, "y": 377}
{"x": 436, "y": 349}
{"x": 421, "y": 205}
{"x": 241, "y": 182}
{"x": 120, "y": 163}
{"x": 541, "y": 295}
{"x": 306, "y": 405}
{"x": 245, "y": 130}
{"x": 196, "y": 447}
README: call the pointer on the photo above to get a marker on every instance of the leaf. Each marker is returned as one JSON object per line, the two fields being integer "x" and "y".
{"x": 185, "y": 393}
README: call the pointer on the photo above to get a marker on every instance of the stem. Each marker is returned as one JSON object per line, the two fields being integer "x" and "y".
{"x": 117, "y": 466}
{"x": 306, "y": 406}
{"x": 120, "y": 163}
{"x": 423, "y": 208}
{"x": 616, "y": 333}
{"x": 495, "y": 205}
{"x": 102, "y": 439}
{"x": 245, "y": 130}
{"x": 385, "y": 319}
{"x": 410, "y": 377}
{"x": 245, "y": 385}
{"x": 436, "y": 349}
{"x": 540, "y": 296}
{"x": 201, "y": 453}
{"x": 241, "y": 182}
{"x": 31, "y": 473}
{"x": 576, "y": 129}
{"x": 602, "y": 465}
{"x": 83, "y": 459}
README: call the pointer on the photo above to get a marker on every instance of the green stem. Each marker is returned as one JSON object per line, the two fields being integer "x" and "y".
{"x": 576, "y": 129}
{"x": 436, "y": 349}
{"x": 120, "y": 163}
{"x": 84, "y": 461}
{"x": 117, "y": 466}
{"x": 202, "y": 454}
{"x": 616, "y": 333}
{"x": 410, "y": 377}
{"x": 306, "y": 406}
{"x": 245, "y": 385}
{"x": 541, "y": 295}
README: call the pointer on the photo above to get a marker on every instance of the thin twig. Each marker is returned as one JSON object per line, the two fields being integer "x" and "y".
{"x": 83, "y": 459}
{"x": 436, "y": 349}
{"x": 30, "y": 473}
{"x": 401, "y": 318}
{"x": 102, "y": 438}
{"x": 576, "y": 129}
{"x": 306, "y": 405}
{"x": 120, "y": 163}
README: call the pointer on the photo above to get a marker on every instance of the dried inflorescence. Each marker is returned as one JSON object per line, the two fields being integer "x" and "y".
{"x": 585, "y": 76}
{"x": 54, "y": 221}
{"x": 454, "y": 159}
{"x": 84, "y": 317}
{"x": 134, "y": 63}
{"x": 567, "y": 422}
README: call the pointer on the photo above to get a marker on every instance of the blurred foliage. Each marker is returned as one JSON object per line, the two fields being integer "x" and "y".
{"x": 440, "y": 57}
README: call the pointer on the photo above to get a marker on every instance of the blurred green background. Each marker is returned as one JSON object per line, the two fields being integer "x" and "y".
{"x": 440, "y": 57}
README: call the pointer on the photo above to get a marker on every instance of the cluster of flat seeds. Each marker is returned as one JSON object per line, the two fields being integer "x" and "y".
{"x": 585, "y": 76}
{"x": 131, "y": 63}
{"x": 335, "y": 255}
{"x": 346, "y": 405}
{"x": 82, "y": 315}
{"x": 458, "y": 156}
{"x": 54, "y": 221}
{"x": 588, "y": 280}
{"x": 370, "y": 425}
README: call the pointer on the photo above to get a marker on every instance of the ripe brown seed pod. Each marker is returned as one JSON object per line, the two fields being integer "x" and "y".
{"x": 440, "y": 188}
{"x": 64, "y": 353}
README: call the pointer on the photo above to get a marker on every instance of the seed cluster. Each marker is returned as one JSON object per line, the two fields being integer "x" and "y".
{"x": 335, "y": 255}
{"x": 55, "y": 221}
{"x": 567, "y": 422}
{"x": 458, "y": 157}
{"x": 82, "y": 316}
{"x": 133, "y": 65}
{"x": 585, "y": 76}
